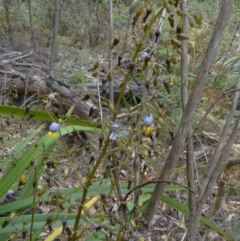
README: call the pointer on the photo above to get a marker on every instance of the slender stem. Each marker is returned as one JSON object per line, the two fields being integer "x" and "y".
{"x": 34, "y": 199}
{"x": 31, "y": 25}
{"x": 85, "y": 189}
{"x": 209, "y": 109}
{"x": 54, "y": 36}
{"x": 221, "y": 185}
{"x": 110, "y": 6}
{"x": 105, "y": 147}
{"x": 124, "y": 84}
{"x": 156, "y": 181}
{"x": 190, "y": 109}
{"x": 111, "y": 98}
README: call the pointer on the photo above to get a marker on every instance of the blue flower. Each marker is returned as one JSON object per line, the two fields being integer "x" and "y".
{"x": 145, "y": 59}
{"x": 124, "y": 133}
{"x": 51, "y": 98}
{"x": 147, "y": 126}
{"x": 148, "y": 120}
{"x": 54, "y": 127}
{"x": 113, "y": 136}
{"x": 143, "y": 56}
{"x": 137, "y": 234}
{"x": 114, "y": 126}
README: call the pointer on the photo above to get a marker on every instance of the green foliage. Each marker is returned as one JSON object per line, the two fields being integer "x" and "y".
{"x": 42, "y": 115}
{"x": 30, "y": 155}
{"x": 102, "y": 186}
{"x": 20, "y": 159}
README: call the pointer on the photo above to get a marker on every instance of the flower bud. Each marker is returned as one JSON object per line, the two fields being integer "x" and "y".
{"x": 143, "y": 56}
{"x": 113, "y": 136}
{"x": 124, "y": 133}
{"x": 54, "y": 127}
{"x": 113, "y": 126}
{"x": 148, "y": 120}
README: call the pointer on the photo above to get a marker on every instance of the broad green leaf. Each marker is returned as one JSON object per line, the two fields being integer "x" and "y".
{"x": 42, "y": 115}
{"x": 127, "y": 106}
{"x": 102, "y": 186}
{"x": 35, "y": 234}
{"x": 32, "y": 154}
{"x": 39, "y": 221}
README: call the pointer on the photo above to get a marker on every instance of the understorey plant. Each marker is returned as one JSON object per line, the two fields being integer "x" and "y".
{"x": 127, "y": 142}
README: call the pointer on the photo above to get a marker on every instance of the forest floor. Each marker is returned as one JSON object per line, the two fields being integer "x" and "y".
{"x": 169, "y": 224}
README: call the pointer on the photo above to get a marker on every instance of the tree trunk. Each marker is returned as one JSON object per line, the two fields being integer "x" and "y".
{"x": 54, "y": 37}
{"x": 196, "y": 207}
{"x": 31, "y": 25}
{"x": 183, "y": 130}
{"x": 6, "y": 4}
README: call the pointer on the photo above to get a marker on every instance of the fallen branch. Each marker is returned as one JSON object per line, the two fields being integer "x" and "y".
{"x": 156, "y": 181}
{"x": 7, "y": 61}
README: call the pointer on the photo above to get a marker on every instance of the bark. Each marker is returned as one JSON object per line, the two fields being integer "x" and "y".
{"x": 191, "y": 106}
{"x": 110, "y": 5}
{"x": 38, "y": 85}
{"x": 221, "y": 153}
{"x": 90, "y": 10}
{"x": 184, "y": 97}
{"x": 54, "y": 35}
{"x": 216, "y": 163}
{"x": 6, "y": 5}
{"x": 134, "y": 5}
{"x": 31, "y": 25}
{"x": 221, "y": 185}
{"x": 184, "y": 58}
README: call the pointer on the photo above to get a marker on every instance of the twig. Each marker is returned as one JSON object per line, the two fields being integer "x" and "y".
{"x": 6, "y": 5}
{"x": 99, "y": 100}
{"x": 107, "y": 142}
{"x": 111, "y": 93}
{"x": 13, "y": 72}
{"x": 221, "y": 185}
{"x": 31, "y": 24}
{"x": 202, "y": 151}
{"x": 231, "y": 43}
{"x": 86, "y": 186}
{"x": 209, "y": 109}
{"x": 183, "y": 129}
{"x": 156, "y": 181}
{"x": 34, "y": 200}
{"x": 26, "y": 64}
{"x": 54, "y": 35}
{"x": 26, "y": 88}
{"x": 3, "y": 89}
{"x": 134, "y": 5}
{"x": 7, "y": 61}
{"x": 190, "y": 157}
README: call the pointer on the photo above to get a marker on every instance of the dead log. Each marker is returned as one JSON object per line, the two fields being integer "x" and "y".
{"x": 27, "y": 86}
{"x": 27, "y": 78}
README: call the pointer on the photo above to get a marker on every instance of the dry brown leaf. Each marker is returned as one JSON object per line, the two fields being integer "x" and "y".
{"x": 210, "y": 95}
{"x": 227, "y": 207}
{"x": 211, "y": 135}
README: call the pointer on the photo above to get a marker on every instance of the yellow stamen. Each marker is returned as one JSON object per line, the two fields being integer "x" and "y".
{"x": 146, "y": 64}
{"x": 147, "y": 130}
{"x": 51, "y": 134}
